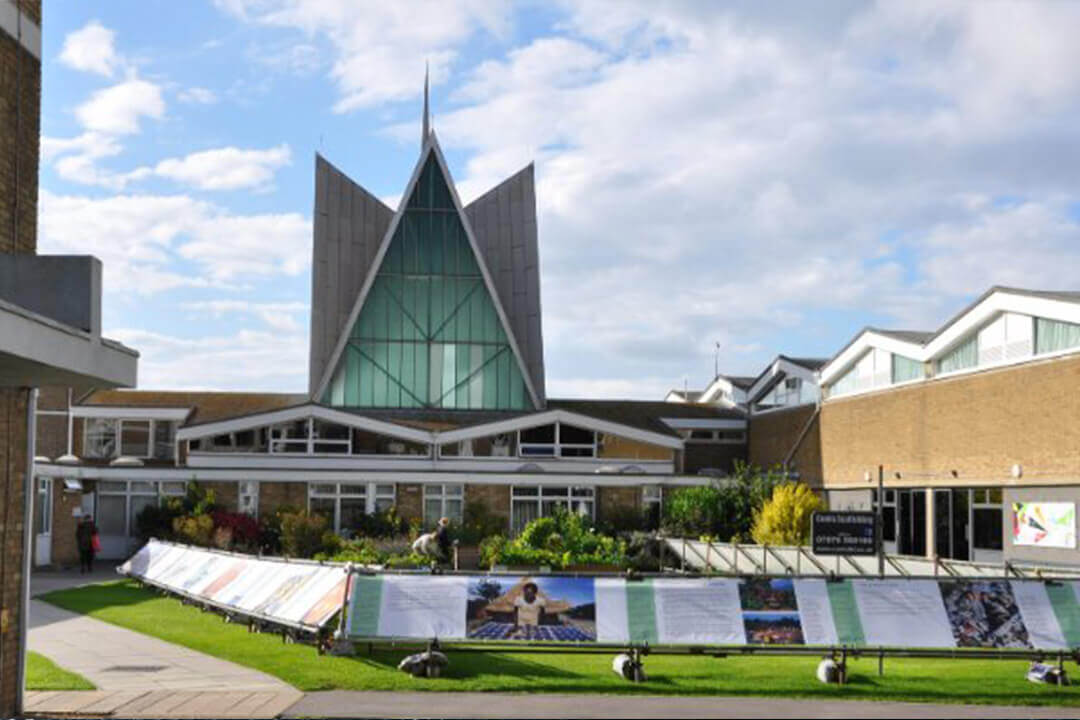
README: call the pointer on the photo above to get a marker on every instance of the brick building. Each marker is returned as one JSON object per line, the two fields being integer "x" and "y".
{"x": 426, "y": 392}
{"x": 49, "y": 330}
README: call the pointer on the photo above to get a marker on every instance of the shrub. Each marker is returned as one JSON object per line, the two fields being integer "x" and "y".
{"x": 194, "y": 529}
{"x": 361, "y": 551}
{"x": 724, "y": 511}
{"x": 302, "y": 534}
{"x": 558, "y": 541}
{"x": 479, "y": 523}
{"x": 243, "y": 529}
{"x": 624, "y": 520}
{"x": 785, "y": 518}
{"x": 382, "y": 524}
{"x": 270, "y": 529}
{"x": 156, "y": 521}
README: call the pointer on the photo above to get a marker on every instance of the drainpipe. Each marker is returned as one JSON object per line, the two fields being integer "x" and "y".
{"x": 28, "y": 537}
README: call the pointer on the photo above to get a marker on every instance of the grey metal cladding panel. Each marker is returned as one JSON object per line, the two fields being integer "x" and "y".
{"x": 344, "y": 254}
{"x": 332, "y": 287}
{"x": 316, "y": 349}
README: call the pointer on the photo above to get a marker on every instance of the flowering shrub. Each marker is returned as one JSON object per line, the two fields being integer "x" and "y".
{"x": 243, "y": 529}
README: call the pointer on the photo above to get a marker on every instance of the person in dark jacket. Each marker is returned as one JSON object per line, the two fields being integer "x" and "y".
{"x": 85, "y": 533}
{"x": 442, "y": 537}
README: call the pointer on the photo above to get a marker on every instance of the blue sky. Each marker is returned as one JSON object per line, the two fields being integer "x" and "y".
{"x": 769, "y": 177}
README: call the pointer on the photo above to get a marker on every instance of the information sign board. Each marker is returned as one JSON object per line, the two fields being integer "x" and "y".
{"x": 844, "y": 533}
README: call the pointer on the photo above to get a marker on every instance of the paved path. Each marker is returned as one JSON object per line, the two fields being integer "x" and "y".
{"x": 137, "y": 675}
{"x": 341, "y": 703}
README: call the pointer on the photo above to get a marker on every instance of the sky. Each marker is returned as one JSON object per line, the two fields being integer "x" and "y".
{"x": 760, "y": 177}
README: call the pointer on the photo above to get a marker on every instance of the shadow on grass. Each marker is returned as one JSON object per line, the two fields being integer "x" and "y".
{"x": 88, "y": 598}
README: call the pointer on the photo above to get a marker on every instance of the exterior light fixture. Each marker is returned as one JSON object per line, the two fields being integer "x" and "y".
{"x": 866, "y": 476}
{"x": 1017, "y": 471}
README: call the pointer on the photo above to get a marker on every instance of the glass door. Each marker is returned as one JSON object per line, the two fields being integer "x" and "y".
{"x": 43, "y": 522}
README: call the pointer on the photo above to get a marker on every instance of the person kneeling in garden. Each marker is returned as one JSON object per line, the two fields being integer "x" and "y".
{"x": 435, "y": 544}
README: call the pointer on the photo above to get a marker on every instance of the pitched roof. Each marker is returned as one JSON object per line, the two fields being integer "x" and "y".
{"x": 205, "y": 406}
{"x": 743, "y": 382}
{"x": 645, "y": 414}
{"x": 808, "y": 363}
{"x": 503, "y": 220}
{"x": 688, "y": 395}
{"x": 349, "y": 224}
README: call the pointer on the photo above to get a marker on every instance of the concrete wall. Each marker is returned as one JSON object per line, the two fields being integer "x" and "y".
{"x": 978, "y": 425}
{"x": 1024, "y": 553}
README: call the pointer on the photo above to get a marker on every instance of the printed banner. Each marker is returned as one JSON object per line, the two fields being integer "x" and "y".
{"x": 292, "y": 593}
{"x": 1047, "y": 524}
{"x": 913, "y": 613}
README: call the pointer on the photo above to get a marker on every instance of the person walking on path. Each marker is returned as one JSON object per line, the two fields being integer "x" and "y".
{"x": 86, "y": 537}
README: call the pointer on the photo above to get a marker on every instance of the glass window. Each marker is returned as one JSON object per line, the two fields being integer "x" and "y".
{"x": 42, "y": 507}
{"x": 428, "y": 334}
{"x": 353, "y": 510}
{"x": 100, "y": 438}
{"x": 965, "y": 355}
{"x": 112, "y": 515}
{"x": 443, "y": 501}
{"x": 905, "y": 369}
{"x": 170, "y": 487}
{"x": 135, "y": 438}
{"x": 143, "y": 487}
{"x": 324, "y": 507}
{"x": 111, "y": 486}
{"x": 138, "y": 503}
{"x": 1053, "y": 335}
{"x": 164, "y": 440}
{"x": 988, "y": 528}
{"x": 529, "y": 503}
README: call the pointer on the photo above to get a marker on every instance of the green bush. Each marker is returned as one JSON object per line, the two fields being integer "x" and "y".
{"x": 156, "y": 521}
{"x": 723, "y": 510}
{"x": 194, "y": 529}
{"x": 384, "y": 524}
{"x": 785, "y": 518}
{"x": 302, "y": 534}
{"x": 557, "y": 541}
{"x": 479, "y": 523}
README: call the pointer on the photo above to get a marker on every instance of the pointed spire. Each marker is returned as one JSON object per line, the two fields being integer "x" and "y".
{"x": 427, "y": 123}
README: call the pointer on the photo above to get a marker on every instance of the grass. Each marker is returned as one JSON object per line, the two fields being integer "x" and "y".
{"x": 962, "y": 681}
{"x": 43, "y": 674}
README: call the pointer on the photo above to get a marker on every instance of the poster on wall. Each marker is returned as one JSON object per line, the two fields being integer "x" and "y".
{"x": 1044, "y": 524}
{"x": 770, "y": 611}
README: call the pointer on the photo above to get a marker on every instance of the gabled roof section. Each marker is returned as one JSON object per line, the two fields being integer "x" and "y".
{"x": 431, "y": 149}
{"x": 349, "y": 226}
{"x": 924, "y": 346}
{"x": 783, "y": 366}
{"x": 504, "y": 223}
{"x": 204, "y": 406}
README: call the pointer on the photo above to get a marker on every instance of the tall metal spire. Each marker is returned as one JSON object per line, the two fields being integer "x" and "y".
{"x": 427, "y": 122}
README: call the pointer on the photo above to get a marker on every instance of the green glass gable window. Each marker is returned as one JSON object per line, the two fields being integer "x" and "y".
{"x": 428, "y": 334}
{"x": 965, "y": 355}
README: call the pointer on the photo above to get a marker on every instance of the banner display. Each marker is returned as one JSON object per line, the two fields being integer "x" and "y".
{"x": 1045, "y": 524}
{"x": 912, "y": 613}
{"x": 292, "y": 593}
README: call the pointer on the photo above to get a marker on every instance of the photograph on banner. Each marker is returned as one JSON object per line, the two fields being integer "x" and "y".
{"x": 773, "y": 628}
{"x": 1045, "y": 524}
{"x": 984, "y": 614}
{"x": 545, "y": 608}
{"x": 770, "y": 611}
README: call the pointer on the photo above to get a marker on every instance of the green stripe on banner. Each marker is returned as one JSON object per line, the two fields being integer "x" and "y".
{"x": 364, "y": 610}
{"x": 641, "y": 612}
{"x": 849, "y": 630}
{"x": 1063, "y": 600}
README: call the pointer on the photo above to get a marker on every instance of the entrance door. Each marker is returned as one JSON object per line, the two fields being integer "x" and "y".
{"x": 911, "y": 537}
{"x": 43, "y": 522}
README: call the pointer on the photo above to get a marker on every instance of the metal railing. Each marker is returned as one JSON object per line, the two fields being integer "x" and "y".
{"x": 746, "y": 559}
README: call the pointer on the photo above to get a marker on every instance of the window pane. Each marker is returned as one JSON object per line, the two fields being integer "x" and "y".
{"x": 542, "y": 434}
{"x": 454, "y": 510}
{"x": 382, "y": 504}
{"x": 583, "y": 492}
{"x": 110, "y": 515}
{"x": 100, "y": 438}
{"x": 144, "y": 487}
{"x": 324, "y": 489}
{"x": 1051, "y": 335}
{"x": 324, "y": 507}
{"x": 650, "y": 493}
{"x": 905, "y": 369}
{"x": 988, "y": 528}
{"x": 570, "y": 435}
{"x": 526, "y": 491}
{"x": 994, "y": 495}
{"x": 135, "y": 438}
{"x": 111, "y": 486}
{"x": 385, "y": 490}
{"x": 138, "y": 502}
{"x": 888, "y": 523}
{"x": 454, "y": 490}
{"x": 433, "y": 490}
{"x": 432, "y": 512}
{"x": 965, "y": 355}
{"x": 164, "y": 435}
{"x": 352, "y": 513}
{"x": 523, "y": 512}
{"x": 172, "y": 488}
{"x": 555, "y": 491}
{"x": 357, "y": 490}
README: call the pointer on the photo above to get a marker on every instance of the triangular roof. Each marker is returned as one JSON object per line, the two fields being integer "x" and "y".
{"x": 430, "y": 149}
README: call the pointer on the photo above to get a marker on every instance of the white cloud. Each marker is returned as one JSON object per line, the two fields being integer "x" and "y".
{"x": 227, "y": 168}
{"x": 256, "y": 361}
{"x": 380, "y": 46}
{"x": 119, "y": 109}
{"x": 197, "y": 96}
{"x": 141, "y": 238}
{"x": 280, "y": 316}
{"x": 91, "y": 49}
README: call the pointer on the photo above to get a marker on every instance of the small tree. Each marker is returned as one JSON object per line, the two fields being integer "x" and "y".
{"x": 785, "y": 518}
{"x": 302, "y": 534}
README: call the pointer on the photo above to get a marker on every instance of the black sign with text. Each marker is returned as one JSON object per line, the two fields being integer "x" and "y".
{"x": 844, "y": 533}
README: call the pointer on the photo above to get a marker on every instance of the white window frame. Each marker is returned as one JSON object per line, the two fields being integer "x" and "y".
{"x": 439, "y": 491}
{"x": 539, "y": 498}
{"x": 372, "y": 493}
{"x": 558, "y": 445}
{"x": 247, "y": 497}
{"x": 44, "y": 500}
{"x": 118, "y": 428}
{"x": 161, "y": 491}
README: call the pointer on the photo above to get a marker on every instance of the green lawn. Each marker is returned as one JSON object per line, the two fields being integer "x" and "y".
{"x": 43, "y": 674}
{"x": 970, "y": 681}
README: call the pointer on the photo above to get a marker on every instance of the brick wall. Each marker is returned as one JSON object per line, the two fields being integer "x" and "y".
{"x": 13, "y": 468}
{"x": 776, "y": 434}
{"x": 273, "y": 495}
{"x": 410, "y": 502}
{"x": 978, "y": 425}
{"x": 495, "y": 497}
{"x": 65, "y": 553}
{"x": 227, "y": 494}
{"x": 19, "y": 148}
